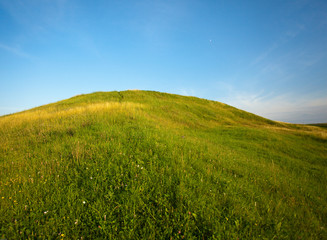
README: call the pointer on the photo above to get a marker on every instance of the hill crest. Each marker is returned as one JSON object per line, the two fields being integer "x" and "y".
{"x": 151, "y": 165}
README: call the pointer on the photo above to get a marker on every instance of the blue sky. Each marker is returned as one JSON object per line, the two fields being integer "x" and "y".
{"x": 266, "y": 57}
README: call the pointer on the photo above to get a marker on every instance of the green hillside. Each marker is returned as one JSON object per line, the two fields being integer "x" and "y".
{"x": 150, "y": 165}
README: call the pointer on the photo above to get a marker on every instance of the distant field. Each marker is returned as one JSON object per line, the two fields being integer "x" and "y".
{"x": 150, "y": 165}
{"x": 324, "y": 125}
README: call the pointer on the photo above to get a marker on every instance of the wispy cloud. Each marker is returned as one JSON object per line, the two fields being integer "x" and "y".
{"x": 155, "y": 20}
{"x": 16, "y": 51}
{"x": 186, "y": 92}
{"x": 36, "y": 14}
{"x": 284, "y": 38}
{"x": 286, "y": 107}
{"x": 39, "y": 20}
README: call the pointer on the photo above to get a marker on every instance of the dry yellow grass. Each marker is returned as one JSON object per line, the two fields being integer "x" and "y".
{"x": 304, "y": 129}
{"x": 51, "y": 113}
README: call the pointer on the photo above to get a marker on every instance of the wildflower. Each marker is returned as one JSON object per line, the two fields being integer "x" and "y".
{"x": 141, "y": 167}
{"x": 91, "y": 178}
{"x": 46, "y": 212}
{"x": 76, "y": 221}
{"x": 62, "y": 235}
{"x": 83, "y": 202}
{"x": 3, "y": 198}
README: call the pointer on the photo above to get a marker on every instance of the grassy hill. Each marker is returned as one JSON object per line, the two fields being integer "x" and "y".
{"x": 150, "y": 165}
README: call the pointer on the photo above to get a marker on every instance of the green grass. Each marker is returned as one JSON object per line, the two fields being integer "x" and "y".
{"x": 150, "y": 165}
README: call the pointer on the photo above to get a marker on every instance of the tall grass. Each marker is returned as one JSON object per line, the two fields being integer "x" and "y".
{"x": 149, "y": 165}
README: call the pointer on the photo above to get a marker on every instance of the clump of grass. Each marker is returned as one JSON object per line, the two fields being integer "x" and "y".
{"x": 149, "y": 165}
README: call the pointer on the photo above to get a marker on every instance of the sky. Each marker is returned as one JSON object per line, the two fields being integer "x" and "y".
{"x": 265, "y": 57}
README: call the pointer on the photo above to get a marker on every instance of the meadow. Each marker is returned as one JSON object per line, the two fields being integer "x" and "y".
{"x": 150, "y": 165}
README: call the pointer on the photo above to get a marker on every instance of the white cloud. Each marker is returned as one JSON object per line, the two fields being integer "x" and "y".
{"x": 287, "y": 107}
{"x": 186, "y": 92}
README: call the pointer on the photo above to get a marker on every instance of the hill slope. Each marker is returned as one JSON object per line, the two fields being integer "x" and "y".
{"x": 150, "y": 165}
